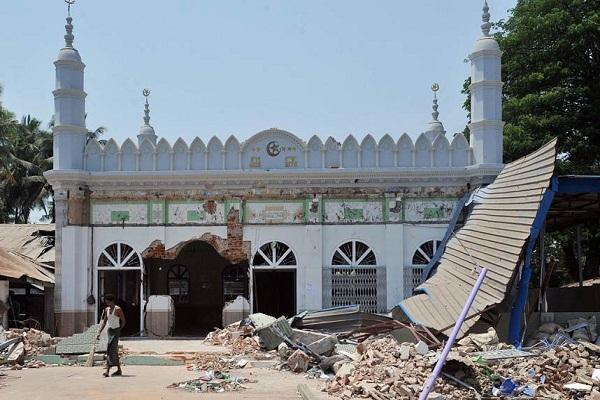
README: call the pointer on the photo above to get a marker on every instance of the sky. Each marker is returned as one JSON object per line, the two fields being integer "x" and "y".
{"x": 328, "y": 67}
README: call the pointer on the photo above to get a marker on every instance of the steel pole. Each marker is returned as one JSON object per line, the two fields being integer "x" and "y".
{"x": 442, "y": 360}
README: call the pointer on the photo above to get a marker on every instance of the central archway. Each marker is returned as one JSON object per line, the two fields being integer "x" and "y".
{"x": 195, "y": 279}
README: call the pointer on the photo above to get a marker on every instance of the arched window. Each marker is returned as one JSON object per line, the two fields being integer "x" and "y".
{"x": 353, "y": 253}
{"x": 413, "y": 275}
{"x": 355, "y": 276}
{"x": 425, "y": 252}
{"x": 274, "y": 254}
{"x": 178, "y": 279}
{"x": 119, "y": 255}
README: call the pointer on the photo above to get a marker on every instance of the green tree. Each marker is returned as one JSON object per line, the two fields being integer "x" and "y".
{"x": 551, "y": 70}
{"x": 30, "y": 149}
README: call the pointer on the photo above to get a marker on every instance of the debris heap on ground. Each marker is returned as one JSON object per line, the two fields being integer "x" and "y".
{"x": 383, "y": 367}
{"x": 580, "y": 329}
{"x": 213, "y": 381}
{"x": 216, "y": 362}
{"x": 34, "y": 341}
{"x": 17, "y": 345}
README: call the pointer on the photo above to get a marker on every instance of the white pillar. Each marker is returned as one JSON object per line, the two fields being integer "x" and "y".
{"x": 69, "y": 106}
{"x": 486, "y": 98}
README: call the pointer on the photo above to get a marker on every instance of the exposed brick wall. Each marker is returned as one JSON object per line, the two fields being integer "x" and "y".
{"x": 233, "y": 249}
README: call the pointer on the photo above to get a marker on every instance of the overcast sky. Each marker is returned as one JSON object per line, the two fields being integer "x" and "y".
{"x": 330, "y": 67}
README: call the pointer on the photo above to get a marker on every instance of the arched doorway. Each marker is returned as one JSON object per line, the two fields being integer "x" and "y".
{"x": 274, "y": 279}
{"x": 197, "y": 280}
{"x": 120, "y": 269}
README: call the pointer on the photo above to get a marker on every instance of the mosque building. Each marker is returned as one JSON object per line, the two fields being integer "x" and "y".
{"x": 288, "y": 224}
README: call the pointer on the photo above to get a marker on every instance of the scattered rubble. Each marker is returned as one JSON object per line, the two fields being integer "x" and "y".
{"x": 17, "y": 346}
{"x": 381, "y": 368}
{"x": 213, "y": 381}
{"x": 215, "y": 362}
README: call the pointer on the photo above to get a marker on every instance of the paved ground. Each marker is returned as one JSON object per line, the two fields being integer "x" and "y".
{"x": 139, "y": 382}
{"x": 149, "y": 346}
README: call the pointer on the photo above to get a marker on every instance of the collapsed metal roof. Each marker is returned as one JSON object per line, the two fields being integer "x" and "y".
{"x": 493, "y": 236}
{"x": 15, "y": 266}
{"x": 33, "y": 241}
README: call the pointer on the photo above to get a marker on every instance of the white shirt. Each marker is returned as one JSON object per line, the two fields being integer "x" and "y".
{"x": 112, "y": 320}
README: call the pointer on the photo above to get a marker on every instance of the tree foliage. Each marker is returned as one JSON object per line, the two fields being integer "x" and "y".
{"x": 551, "y": 65}
{"x": 25, "y": 154}
{"x": 550, "y": 70}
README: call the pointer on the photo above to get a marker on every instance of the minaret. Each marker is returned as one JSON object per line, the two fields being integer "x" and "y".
{"x": 435, "y": 127}
{"x": 69, "y": 105}
{"x": 486, "y": 97}
{"x": 146, "y": 130}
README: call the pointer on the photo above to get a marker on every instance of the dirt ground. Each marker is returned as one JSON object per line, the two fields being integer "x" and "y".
{"x": 143, "y": 382}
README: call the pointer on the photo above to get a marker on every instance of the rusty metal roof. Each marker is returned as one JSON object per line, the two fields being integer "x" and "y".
{"x": 33, "y": 241}
{"x": 493, "y": 236}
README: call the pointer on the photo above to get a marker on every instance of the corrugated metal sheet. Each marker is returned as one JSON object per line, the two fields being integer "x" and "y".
{"x": 15, "y": 266}
{"x": 493, "y": 236}
{"x": 25, "y": 239}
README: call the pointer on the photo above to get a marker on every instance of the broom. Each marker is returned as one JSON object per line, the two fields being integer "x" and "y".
{"x": 90, "y": 359}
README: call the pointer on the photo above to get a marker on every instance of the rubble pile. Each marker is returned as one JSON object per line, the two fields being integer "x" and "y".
{"x": 580, "y": 329}
{"x": 213, "y": 381}
{"x": 385, "y": 369}
{"x": 238, "y": 338}
{"x": 35, "y": 342}
{"x": 215, "y": 362}
{"x": 18, "y": 345}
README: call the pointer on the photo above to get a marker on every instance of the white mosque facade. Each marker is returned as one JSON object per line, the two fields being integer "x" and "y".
{"x": 288, "y": 224}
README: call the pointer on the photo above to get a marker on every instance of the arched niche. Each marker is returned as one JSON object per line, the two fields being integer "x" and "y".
{"x": 368, "y": 152}
{"x": 163, "y": 155}
{"x": 422, "y": 151}
{"x": 441, "y": 151}
{"x": 128, "y": 156}
{"x": 111, "y": 158}
{"x": 460, "y": 151}
{"x": 386, "y": 152}
{"x": 180, "y": 155}
{"x": 147, "y": 154}
{"x": 350, "y": 152}
{"x": 215, "y": 153}
{"x": 93, "y": 156}
{"x": 315, "y": 152}
{"x": 232, "y": 153}
{"x": 332, "y": 153}
{"x": 405, "y": 151}
{"x": 197, "y": 154}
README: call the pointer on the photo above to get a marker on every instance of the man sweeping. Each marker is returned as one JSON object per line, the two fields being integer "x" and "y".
{"x": 114, "y": 317}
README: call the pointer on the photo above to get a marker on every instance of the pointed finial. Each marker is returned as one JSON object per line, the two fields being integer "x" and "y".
{"x": 435, "y": 87}
{"x": 146, "y": 93}
{"x": 485, "y": 17}
{"x": 69, "y": 27}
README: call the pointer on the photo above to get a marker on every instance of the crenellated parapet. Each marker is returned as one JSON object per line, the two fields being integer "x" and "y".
{"x": 278, "y": 149}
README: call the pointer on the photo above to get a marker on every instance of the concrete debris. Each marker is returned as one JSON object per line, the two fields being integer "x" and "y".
{"x": 216, "y": 362}
{"x": 239, "y": 338}
{"x": 382, "y": 368}
{"x": 298, "y": 362}
{"x": 34, "y": 341}
{"x": 382, "y": 373}
{"x": 19, "y": 345}
{"x": 213, "y": 381}
{"x": 481, "y": 341}
{"x": 579, "y": 329}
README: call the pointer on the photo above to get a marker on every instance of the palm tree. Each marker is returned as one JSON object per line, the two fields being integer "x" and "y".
{"x": 31, "y": 149}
